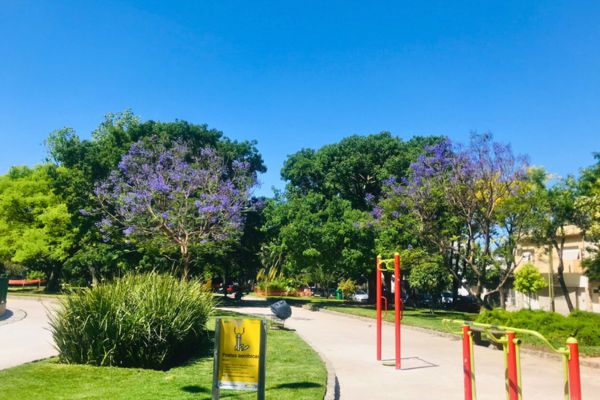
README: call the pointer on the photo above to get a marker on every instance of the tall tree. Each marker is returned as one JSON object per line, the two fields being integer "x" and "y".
{"x": 554, "y": 213}
{"x": 35, "y": 224}
{"x": 588, "y": 207}
{"x": 353, "y": 168}
{"x": 172, "y": 197}
{"x": 455, "y": 194}
{"x": 88, "y": 162}
{"x": 318, "y": 238}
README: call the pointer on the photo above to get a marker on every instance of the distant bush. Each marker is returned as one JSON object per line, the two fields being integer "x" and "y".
{"x": 556, "y": 327}
{"x": 145, "y": 321}
{"x": 35, "y": 275}
{"x": 348, "y": 287}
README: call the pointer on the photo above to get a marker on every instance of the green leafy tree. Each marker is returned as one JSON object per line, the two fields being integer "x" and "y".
{"x": 88, "y": 162}
{"x": 318, "y": 239}
{"x": 554, "y": 212}
{"x": 354, "y": 168}
{"x": 529, "y": 281}
{"x": 35, "y": 225}
{"x": 588, "y": 207}
{"x": 348, "y": 287}
{"x": 454, "y": 194}
{"x": 430, "y": 276}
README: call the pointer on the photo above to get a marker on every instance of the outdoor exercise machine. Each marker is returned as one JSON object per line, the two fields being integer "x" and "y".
{"x": 389, "y": 265}
{"x": 507, "y": 337}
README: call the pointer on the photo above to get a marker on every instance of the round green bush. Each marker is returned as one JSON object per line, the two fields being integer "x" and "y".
{"x": 145, "y": 321}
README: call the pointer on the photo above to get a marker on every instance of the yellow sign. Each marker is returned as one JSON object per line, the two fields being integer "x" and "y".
{"x": 239, "y": 354}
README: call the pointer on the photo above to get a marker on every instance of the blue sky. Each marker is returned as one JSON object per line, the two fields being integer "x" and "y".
{"x": 296, "y": 74}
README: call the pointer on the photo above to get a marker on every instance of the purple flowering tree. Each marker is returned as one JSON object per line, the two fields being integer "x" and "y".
{"x": 460, "y": 196}
{"x": 169, "y": 196}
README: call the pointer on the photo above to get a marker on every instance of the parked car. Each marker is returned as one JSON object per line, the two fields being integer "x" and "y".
{"x": 446, "y": 299}
{"x": 466, "y": 304}
{"x": 360, "y": 296}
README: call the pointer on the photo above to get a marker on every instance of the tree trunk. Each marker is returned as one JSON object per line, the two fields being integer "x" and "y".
{"x": 561, "y": 276}
{"x": 502, "y": 294}
{"x": 93, "y": 276}
{"x": 563, "y": 285}
{"x": 52, "y": 285}
{"x": 387, "y": 285}
{"x": 372, "y": 285}
{"x": 185, "y": 256}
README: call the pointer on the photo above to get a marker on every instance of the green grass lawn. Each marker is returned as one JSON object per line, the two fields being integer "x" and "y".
{"x": 294, "y": 371}
{"x": 423, "y": 318}
{"x": 32, "y": 291}
{"x": 420, "y": 317}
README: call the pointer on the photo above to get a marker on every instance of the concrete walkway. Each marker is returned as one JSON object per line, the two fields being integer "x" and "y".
{"x": 431, "y": 364}
{"x": 24, "y": 334}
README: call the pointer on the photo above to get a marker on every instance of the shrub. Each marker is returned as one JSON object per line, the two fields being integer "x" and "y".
{"x": 528, "y": 280}
{"x": 556, "y": 327}
{"x": 35, "y": 275}
{"x": 145, "y": 321}
{"x": 348, "y": 287}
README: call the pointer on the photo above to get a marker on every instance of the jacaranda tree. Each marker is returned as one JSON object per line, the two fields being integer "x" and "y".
{"x": 456, "y": 195}
{"x": 170, "y": 198}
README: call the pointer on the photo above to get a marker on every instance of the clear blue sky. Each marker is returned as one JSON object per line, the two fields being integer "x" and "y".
{"x": 306, "y": 73}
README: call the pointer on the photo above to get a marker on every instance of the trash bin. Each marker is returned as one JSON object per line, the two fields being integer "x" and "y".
{"x": 3, "y": 293}
{"x": 281, "y": 310}
{"x": 339, "y": 295}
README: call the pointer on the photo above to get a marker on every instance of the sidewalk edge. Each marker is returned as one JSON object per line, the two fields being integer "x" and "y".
{"x": 332, "y": 391}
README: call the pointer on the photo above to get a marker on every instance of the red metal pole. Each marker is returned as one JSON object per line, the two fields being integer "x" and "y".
{"x": 513, "y": 383}
{"x": 378, "y": 302}
{"x": 467, "y": 365}
{"x": 574, "y": 378}
{"x": 397, "y": 305}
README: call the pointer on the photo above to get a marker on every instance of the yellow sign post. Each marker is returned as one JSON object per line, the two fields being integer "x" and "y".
{"x": 239, "y": 362}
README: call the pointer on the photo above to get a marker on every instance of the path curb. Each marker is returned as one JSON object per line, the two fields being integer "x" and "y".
{"x": 332, "y": 391}
{"x": 542, "y": 354}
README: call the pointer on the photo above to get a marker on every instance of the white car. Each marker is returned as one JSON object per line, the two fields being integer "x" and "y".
{"x": 360, "y": 296}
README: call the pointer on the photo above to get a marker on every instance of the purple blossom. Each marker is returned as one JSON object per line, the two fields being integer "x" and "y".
{"x": 195, "y": 197}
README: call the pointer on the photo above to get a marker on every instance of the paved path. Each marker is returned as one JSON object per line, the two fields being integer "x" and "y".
{"x": 24, "y": 334}
{"x": 432, "y": 366}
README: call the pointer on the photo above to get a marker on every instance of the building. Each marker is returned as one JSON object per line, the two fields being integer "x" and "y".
{"x": 585, "y": 294}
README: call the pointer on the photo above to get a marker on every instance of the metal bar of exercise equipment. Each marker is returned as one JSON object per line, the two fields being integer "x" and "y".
{"x": 507, "y": 337}
{"x": 384, "y": 265}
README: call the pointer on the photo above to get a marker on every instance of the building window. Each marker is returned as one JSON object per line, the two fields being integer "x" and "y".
{"x": 571, "y": 254}
{"x": 527, "y": 256}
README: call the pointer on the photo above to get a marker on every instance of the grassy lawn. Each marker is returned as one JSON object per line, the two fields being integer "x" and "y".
{"x": 420, "y": 317}
{"x": 32, "y": 291}
{"x": 294, "y": 371}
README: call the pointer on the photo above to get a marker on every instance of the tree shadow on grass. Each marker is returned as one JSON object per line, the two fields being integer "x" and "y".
{"x": 298, "y": 385}
{"x": 194, "y": 389}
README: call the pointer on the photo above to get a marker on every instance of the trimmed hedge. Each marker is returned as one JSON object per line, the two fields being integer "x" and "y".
{"x": 557, "y": 328}
{"x": 145, "y": 321}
